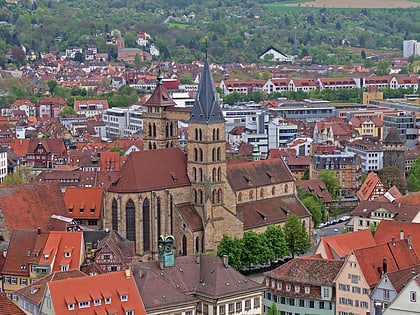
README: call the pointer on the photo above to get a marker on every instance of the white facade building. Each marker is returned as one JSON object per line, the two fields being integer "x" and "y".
{"x": 411, "y": 47}
{"x": 3, "y": 163}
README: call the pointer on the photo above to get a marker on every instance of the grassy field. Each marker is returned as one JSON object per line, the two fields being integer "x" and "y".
{"x": 358, "y": 4}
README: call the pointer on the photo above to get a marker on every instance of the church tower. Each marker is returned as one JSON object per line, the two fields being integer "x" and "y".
{"x": 159, "y": 128}
{"x": 394, "y": 148}
{"x": 207, "y": 149}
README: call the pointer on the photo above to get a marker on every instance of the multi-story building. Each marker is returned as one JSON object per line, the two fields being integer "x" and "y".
{"x": 302, "y": 285}
{"x": 50, "y": 106}
{"x": 90, "y": 108}
{"x": 411, "y": 48}
{"x": 347, "y": 167}
{"x": 394, "y": 148}
{"x": 3, "y": 163}
{"x": 371, "y": 154}
{"x": 305, "y": 111}
{"x": 115, "y": 120}
{"x": 405, "y": 124}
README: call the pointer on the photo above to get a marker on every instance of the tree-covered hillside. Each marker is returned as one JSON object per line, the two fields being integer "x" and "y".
{"x": 237, "y": 30}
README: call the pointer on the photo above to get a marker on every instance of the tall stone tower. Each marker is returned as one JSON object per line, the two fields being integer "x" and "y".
{"x": 394, "y": 148}
{"x": 207, "y": 154}
{"x": 160, "y": 129}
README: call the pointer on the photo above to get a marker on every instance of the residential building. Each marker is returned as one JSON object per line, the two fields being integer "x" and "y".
{"x": 305, "y": 111}
{"x": 370, "y": 153}
{"x": 298, "y": 165}
{"x": 117, "y": 293}
{"x": 411, "y": 48}
{"x": 407, "y": 302}
{"x": 3, "y": 163}
{"x": 368, "y": 127}
{"x": 50, "y": 106}
{"x": 316, "y": 187}
{"x": 272, "y": 54}
{"x": 305, "y": 85}
{"x": 335, "y": 83}
{"x": 302, "y": 285}
{"x": 347, "y": 167}
{"x": 276, "y": 85}
{"x": 7, "y": 307}
{"x": 205, "y": 285}
{"x": 46, "y": 153}
{"x": 240, "y": 86}
{"x": 363, "y": 269}
{"x": 371, "y": 188}
{"x": 90, "y": 108}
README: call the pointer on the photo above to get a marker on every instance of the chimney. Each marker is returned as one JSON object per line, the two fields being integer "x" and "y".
{"x": 127, "y": 273}
{"x": 197, "y": 259}
{"x": 393, "y": 241}
{"x": 39, "y": 231}
{"x": 401, "y": 235}
{"x": 384, "y": 265}
{"x": 226, "y": 261}
{"x": 4, "y": 253}
{"x": 140, "y": 273}
{"x": 409, "y": 242}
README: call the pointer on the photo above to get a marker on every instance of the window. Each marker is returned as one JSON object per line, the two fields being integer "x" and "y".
{"x": 13, "y": 280}
{"x": 288, "y": 286}
{"x": 7, "y": 280}
{"x": 247, "y": 305}
{"x": 365, "y": 291}
{"x": 297, "y": 289}
{"x": 97, "y": 302}
{"x": 84, "y": 304}
{"x": 311, "y": 304}
{"x": 231, "y": 308}
{"x": 355, "y": 290}
{"x": 302, "y": 303}
{"x": 124, "y": 297}
{"x": 205, "y": 308}
{"x": 221, "y": 309}
{"x": 129, "y": 312}
{"x": 108, "y": 300}
{"x": 386, "y": 294}
{"x": 321, "y": 305}
{"x": 279, "y": 285}
{"x": 413, "y": 296}
{"x": 326, "y": 292}
{"x": 70, "y": 306}
{"x": 256, "y": 302}
{"x": 307, "y": 290}
{"x": 106, "y": 256}
{"x": 238, "y": 307}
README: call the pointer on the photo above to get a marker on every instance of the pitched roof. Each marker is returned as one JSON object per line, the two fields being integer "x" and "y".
{"x": 396, "y": 255}
{"x": 84, "y": 202}
{"x": 26, "y": 206}
{"x": 317, "y": 187}
{"x": 206, "y": 108}
{"x": 339, "y": 246}
{"x": 34, "y": 292}
{"x": 393, "y": 137}
{"x": 7, "y": 307}
{"x": 388, "y": 229}
{"x": 308, "y": 270}
{"x": 152, "y": 170}
{"x": 366, "y": 190}
{"x": 270, "y": 211}
{"x": 191, "y": 216}
{"x": 112, "y": 285}
{"x": 400, "y": 212}
{"x": 160, "y": 96}
{"x": 400, "y": 278}
{"x": 258, "y": 173}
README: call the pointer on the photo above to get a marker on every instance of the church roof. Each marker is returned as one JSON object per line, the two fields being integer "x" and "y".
{"x": 160, "y": 96}
{"x": 206, "y": 107}
{"x": 393, "y": 137}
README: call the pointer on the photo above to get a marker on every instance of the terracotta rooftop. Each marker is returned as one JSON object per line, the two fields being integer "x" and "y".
{"x": 7, "y": 307}
{"x": 190, "y": 215}
{"x": 399, "y": 211}
{"x": 84, "y": 202}
{"x": 366, "y": 190}
{"x": 400, "y": 278}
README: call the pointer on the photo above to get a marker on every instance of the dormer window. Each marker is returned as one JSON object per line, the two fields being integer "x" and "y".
{"x": 124, "y": 297}
{"x": 108, "y": 300}
{"x": 70, "y": 306}
{"x": 84, "y": 304}
{"x": 67, "y": 254}
{"x": 97, "y": 302}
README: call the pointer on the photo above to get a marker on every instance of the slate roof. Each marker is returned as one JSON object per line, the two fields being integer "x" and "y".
{"x": 152, "y": 170}
{"x": 26, "y": 206}
{"x": 34, "y": 292}
{"x": 257, "y": 174}
{"x": 7, "y": 307}
{"x": 270, "y": 211}
{"x": 206, "y": 108}
{"x": 87, "y": 198}
{"x": 393, "y": 137}
{"x": 112, "y": 285}
{"x": 307, "y": 270}
{"x": 339, "y": 246}
{"x": 371, "y": 259}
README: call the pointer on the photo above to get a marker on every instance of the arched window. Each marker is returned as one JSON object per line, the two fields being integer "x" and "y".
{"x": 158, "y": 222}
{"x": 154, "y": 145}
{"x": 114, "y": 215}
{"x": 219, "y": 174}
{"x": 196, "y": 134}
{"x": 130, "y": 221}
{"x": 240, "y": 197}
{"x": 154, "y": 130}
{"x": 184, "y": 245}
{"x": 172, "y": 129}
{"x": 195, "y": 195}
{"x": 273, "y": 190}
{"x": 146, "y": 225}
{"x": 213, "y": 196}
{"x": 217, "y": 134}
{"x": 194, "y": 174}
{"x": 262, "y": 193}
{"x": 251, "y": 194}
{"x": 219, "y": 154}
{"x": 201, "y": 135}
{"x": 201, "y": 155}
{"x": 220, "y": 196}
{"x": 195, "y": 154}
{"x": 167, "y": 130}
{"x": 213, "y": 154}
{"x": 200, "y": 173}
{"x": 286, "y": 189}
{"x": 213, "y": 178}
{"x": 150, "y": 146}
{"x": 150, "y": 130}
{"x": 197, "y": 244}
{"x": 200, "y": 197}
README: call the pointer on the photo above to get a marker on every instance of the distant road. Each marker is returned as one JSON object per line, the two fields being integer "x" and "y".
{"x": 358, "y": 4}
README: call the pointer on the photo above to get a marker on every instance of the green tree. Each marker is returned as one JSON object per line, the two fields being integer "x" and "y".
{"x": 52, "y": 85}
{"x": 67, "y": 110}
{"x": 231, "y": 247}
{"x": 331, "y": 181}
{"x": 413, "y": 180}
{"x": 305, "y": 175}
{"x": 117, "y": 149}
{"x": 276, "y": 241}
{"x": 315, "y": 207}
{"x": 273, "y": 310}
{"x": 383, "y": 67}
{"x": 254, "y": 250}
{"x": 297, "y": 238}
{"x": 23, "y": 175}
{"x": 373, "y": 228}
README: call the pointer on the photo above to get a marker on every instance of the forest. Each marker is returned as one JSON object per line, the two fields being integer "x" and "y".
{"x": 235, "y": 31}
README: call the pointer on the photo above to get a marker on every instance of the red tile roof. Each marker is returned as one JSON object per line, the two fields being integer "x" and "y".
{"x": 7, "y": 307}
{"x": 87, "y": 289}
{"x": 84, "y": 202}
{"x": 30, "y": 206}
{"x": 317, "y": 187}
{"x": 366, "y": 190}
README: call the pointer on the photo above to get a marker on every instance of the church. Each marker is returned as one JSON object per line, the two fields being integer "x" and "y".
{"x": 195, "y": 193}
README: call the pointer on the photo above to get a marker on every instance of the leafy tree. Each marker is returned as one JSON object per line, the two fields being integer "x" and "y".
{"x": 315, "y": 207}
{"x": 18, "y": 54}
{"x": 373, "y": 228}
{"x": 413, "y": 181}
{"x": 78, "y": 57}
{"x": 67, "y": 110}
{"x": 276, "y": 241}
{"x": 273, "y": 310}
{"x": 331, "y": 181}
{"x": 305, "y": 175}
{"x": 52, "y": 85}
{"x": 254, "y": 250}
{"x": 363, "y": 54}
{"x": 383, "y": 67}
{"x": 232, "y": 247}
{"x": 23, "y": 175}
{"x": 297, "y": 238}
{"x": 391, "y": 176}
{"x": 117, "y": 149}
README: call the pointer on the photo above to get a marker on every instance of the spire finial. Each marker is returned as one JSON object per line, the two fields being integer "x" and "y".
{"x": 207, "y": 49}
{"x": 160, "y": 77}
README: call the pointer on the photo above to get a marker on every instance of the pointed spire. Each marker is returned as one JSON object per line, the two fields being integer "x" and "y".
{"x": 160, "y": 96}
{"x": 206, "y": 107}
